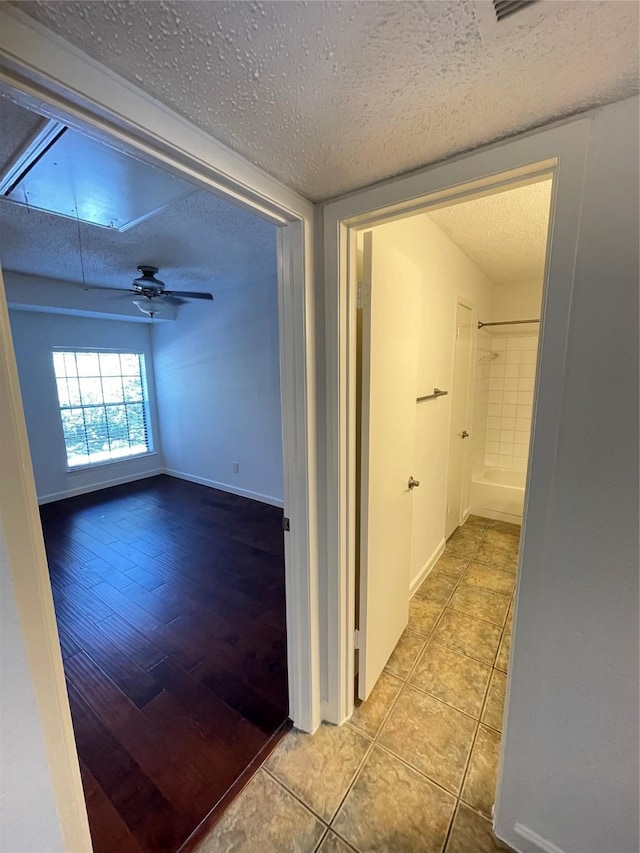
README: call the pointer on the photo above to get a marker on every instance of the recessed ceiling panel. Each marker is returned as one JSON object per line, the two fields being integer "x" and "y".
{"x": 78, "y": 176}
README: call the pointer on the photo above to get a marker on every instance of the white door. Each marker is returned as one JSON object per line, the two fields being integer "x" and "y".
{"x": 390, "y": 329}
{"x": 457, "y": 483}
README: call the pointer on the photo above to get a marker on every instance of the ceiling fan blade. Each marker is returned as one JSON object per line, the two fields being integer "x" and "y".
{"x": 188, "y": 294}
{"x": 99, "y": 289}
{"x": 111, "y": 292}
{"x": 173, "y": 300}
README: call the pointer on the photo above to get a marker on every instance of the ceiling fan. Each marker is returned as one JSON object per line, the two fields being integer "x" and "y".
{"x": 151, "y": 294}
{"x": 151, "y": 288}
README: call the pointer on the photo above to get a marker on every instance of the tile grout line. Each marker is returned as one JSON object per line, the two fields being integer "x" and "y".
{"x": 475, "y": 738}
{"x": 356, "y": 773}
{"x": 353, "y": 781}
{"x": 322, "y": 840}
{"x": 430, "y": 640}
{"x": 455, "y": 589}
{"x": 375, "y": 742}
{"x": 415, "y": 769}
{"x": 459, "y": 799}
{"x": 405, "y": 685}
{"x": 297, "y": 797}
{"x": 448, "y": 704}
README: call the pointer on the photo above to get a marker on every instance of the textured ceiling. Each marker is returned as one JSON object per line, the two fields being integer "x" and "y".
{"x": 331, "y": 96}
{"x": 16, "y": 128}
{"x": 504, "y": 234}
{"x": 201, "y": 243}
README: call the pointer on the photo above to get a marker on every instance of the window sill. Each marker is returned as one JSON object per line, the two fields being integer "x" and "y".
{"x": 78, "y": 469}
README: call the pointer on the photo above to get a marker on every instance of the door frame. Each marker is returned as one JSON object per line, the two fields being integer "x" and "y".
{"x": 559, "y": 151}
{"x": 40, "y": 70}
{"x": 466, "y": 303}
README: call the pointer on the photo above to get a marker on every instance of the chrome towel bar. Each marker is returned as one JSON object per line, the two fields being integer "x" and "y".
{"x": 436, "y": 393}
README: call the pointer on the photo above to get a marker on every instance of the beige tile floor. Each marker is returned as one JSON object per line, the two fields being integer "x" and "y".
{"x": 415, "y": 767}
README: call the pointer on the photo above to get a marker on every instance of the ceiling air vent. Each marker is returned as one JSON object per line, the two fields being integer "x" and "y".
{"x": 498, "y": 18}
{"x": 504, "y": 8}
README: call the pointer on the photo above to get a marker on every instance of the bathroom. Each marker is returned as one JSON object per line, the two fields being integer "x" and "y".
{"x": 481, "y": 264}
{"x": 451, "y": 308}
{"x": 503, "y": 389}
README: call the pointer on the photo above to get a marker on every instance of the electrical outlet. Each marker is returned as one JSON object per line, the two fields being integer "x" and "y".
{"x": 235, "y": 467}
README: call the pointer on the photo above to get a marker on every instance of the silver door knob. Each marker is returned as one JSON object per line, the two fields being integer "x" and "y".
{"x": 464, "y": 434}
{"x": 413, "y": 483}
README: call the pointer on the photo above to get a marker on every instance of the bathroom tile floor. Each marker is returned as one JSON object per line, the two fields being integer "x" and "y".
{"x": 415, "y": 767}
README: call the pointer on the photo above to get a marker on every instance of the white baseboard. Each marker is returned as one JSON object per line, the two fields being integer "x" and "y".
{"x": 535, "y": 843}
{"x": 96, "y": 487}
{"x": 496, "y": 515}
{"x": 130, "y": 478}
{"x": 424, "y": 571}
{"x": 225, "y": 487}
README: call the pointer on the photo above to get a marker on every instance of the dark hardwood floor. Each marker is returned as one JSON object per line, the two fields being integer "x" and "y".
{"x": 170, "y": 604}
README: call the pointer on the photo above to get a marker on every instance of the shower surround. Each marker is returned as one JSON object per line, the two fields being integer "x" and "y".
{"x": 502, "y": 413}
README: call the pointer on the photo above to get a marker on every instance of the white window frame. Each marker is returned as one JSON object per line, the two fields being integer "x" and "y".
{"x": 146, "y": 403}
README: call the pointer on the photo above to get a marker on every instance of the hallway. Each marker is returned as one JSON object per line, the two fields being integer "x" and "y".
{"x": 415, "y": 767}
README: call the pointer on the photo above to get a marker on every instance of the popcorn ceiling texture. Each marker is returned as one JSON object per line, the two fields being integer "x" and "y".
{"x": 504, "y": 234}
{"x": 331, "y": 96}
{"x": 200, "y": 243}
{"x": 16, "y": 127}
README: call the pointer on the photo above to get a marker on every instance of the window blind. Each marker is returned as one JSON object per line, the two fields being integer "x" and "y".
{"x": 103, "y": 405}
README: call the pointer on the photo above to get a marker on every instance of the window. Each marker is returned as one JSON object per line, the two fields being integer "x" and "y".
{"x": 103, "y": 405}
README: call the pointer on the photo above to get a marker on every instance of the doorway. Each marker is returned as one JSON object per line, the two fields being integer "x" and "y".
{"x": 461, "y": 385}
{"x": 523, "y": 160}
{"x": 459, "y": 398}
{"x": 284, "y": 278}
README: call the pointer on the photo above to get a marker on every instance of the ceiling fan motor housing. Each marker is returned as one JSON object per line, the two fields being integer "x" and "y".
{"x": 147, "y": 283}
{"x": 151, "y": 287}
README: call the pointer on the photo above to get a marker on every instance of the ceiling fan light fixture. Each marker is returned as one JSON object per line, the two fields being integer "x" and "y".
{"x": 148, "y": 306}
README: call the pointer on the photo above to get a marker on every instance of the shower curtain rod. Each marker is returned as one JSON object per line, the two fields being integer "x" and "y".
{"x": 507, "y": 323}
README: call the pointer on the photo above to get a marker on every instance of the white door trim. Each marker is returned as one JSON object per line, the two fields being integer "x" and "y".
{"x": 38, "y": 69}
{"x": 560, "y": 149}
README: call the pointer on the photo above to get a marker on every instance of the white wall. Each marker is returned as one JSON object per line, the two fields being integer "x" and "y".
{"x": 570, "y": 760}
{"x": 218, "y": 383}
{"x": 34, "y": 336}
{"x": 519, "y": 300}
{"x": 447, "y": 274}
{"x": 28, "y": 818}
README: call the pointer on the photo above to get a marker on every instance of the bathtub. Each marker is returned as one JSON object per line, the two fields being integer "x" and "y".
{"x": 498, "y": 493}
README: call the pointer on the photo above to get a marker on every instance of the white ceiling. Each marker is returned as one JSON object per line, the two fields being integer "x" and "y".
{"x": 504, "y": 234}
{"x": 204, "y": 242}
{"x": 201, "y": 242}
{"x": 16, "y": 128}
{"x": 331, "y": 96}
